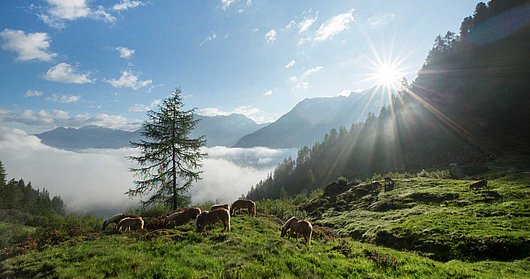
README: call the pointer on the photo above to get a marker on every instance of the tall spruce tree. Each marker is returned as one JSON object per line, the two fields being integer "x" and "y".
{"x": 170, "y": 160}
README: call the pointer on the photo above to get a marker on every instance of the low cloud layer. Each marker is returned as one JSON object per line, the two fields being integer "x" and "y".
{"x": 95, "y": 179}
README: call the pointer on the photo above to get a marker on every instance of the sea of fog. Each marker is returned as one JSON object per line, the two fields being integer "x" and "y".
{"x": 95, "y": 180}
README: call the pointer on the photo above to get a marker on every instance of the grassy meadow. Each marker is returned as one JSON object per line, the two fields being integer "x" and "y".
{"x": 425, "y": 228}
{"x": 252, "y": 250}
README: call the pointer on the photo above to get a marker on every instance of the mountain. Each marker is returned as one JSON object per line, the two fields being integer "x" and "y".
{"x": 224, "y": 130}
{"x": 88, "y": 137}
{"x": 219, "y": 131}
{"x": 467, "y": 111}
{"x": 310, "y": 119}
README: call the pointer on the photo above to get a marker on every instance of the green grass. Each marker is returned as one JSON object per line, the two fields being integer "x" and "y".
{"x": 252, "y": 250}
{"x": 441, "y": 218}
{"x": 11, "y": 234}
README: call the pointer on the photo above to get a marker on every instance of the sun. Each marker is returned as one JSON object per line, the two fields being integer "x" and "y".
{"x": 387, "y": 75}
{"x": 384, "y": 65}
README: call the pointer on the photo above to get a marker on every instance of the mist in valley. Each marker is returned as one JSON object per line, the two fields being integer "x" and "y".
{"x": 95, "y": 180}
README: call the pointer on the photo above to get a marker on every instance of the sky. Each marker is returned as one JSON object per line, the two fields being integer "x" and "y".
{"x": 88, "y": 62}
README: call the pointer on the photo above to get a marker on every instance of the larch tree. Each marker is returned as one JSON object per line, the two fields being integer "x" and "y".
{"x": 170, "y": 160}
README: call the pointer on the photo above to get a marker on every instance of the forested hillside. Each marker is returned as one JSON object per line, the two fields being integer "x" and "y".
{"x": 468, "y": 106}
{"x": 22, "y": 209}
{"x": 19, "y": 196}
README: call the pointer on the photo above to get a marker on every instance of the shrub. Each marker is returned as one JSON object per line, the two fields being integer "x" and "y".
{"x": 150, "y": 211}
{"x": 382, "y": 260}
{"x": 342, "y": 181}
{"x": 11, "y": 234}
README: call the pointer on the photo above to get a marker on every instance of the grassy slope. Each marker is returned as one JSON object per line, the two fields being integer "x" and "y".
{"x": 252, "y": 250}
{"x": 439, "y": 217}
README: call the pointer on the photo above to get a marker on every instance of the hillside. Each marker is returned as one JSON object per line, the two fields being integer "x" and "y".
{"x": 440, "y": 218}
{"x": 224, "y": 130}
{"x": 252, "y": 250}
{"x": 468, "y": 106}
{"x": 311, "y": 118}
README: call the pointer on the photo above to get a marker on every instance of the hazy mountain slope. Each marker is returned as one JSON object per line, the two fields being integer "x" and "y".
{"x": 88, "y": 137}
{"x": 310, "y": 119}
{"x": 219, "y": 130}
{"x": 224, "y": 130}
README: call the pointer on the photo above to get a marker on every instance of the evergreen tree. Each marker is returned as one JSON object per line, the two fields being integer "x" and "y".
{"x": 170, "y": 160}
{"x": 2, "y": 175}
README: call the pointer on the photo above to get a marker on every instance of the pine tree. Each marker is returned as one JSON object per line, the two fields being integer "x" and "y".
{"x": 170, "y": 160}
{"x": 2, "y": 175}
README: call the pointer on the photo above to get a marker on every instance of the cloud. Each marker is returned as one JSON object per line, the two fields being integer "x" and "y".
{"x": 127, "y": 4}
{"x": 129, "y": 80}
{"x": 33, "y": 93}
{"x": 300, "y": 82}
{"x": 209, "y": 38}
{"x": 227, "y": 3}
{"x": 268, "y": 93}
{"x": 230, "y": 172}
{"x": 65, "y": 99}
{"x": 59, "y": 11}
{"x": 96, "y": 179}
{"x": 306, "y": 23}
{"x": 312, "y": 71}
{"x": 125, "y": 52}
{"x": 28, "y": 46}
{"x": 64, "y": 73}
{"x": 302, "y": 85}
{"x": 345, "y": 93}
{"x": 249, "y": 111}
{"x": 43, "y": 120}
{"x": 143, "y": 108}
{"x": 84, "y": 181}
{"x": 271, "y": 36}
{"x": 212, "y": 112}
{"x": 290, "y": 25}
{"x": 290, "y": 64}
{"x": 381, "y": 19}
{"x": 334, "y": 26}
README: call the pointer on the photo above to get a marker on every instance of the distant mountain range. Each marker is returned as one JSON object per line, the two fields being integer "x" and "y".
{"x": 224, "y": 130}
{"x": 304, "y": 125}
{"x": 219, "y": 131}
{"x": 88, "y": 137}
{"x": 311, "y": 119}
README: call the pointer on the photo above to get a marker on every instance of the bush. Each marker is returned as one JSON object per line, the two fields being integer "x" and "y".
{"x": 150, "y": 211}
{"x": 342, "y": 181}
{"x": 435, "y": 174}
{"x": 11, "y": 234}
{"x": 60, "y": 229}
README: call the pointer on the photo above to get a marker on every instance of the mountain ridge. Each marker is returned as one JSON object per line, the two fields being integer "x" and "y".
{"x": 311, "y": 118}
{"x": 222, "y": 130}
